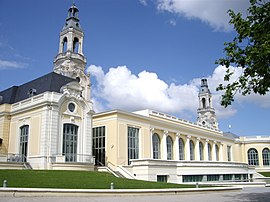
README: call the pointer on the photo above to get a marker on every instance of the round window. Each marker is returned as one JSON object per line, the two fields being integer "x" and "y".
{"x": 71, "y": 107}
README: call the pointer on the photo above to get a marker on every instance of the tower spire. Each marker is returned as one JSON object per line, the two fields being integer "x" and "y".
{"x": 206, "y": 112}
{"x": 70, "y": 60}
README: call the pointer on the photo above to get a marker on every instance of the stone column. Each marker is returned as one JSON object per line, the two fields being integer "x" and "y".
{"x": 206, "y": 150}
{"x": 164, "y": 145}
{"x": 197, "y": 149}
{"x": 187, "y": 149}
{"x": 176, "y": 146}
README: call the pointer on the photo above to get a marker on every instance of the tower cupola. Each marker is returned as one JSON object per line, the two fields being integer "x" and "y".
{"x": 70, "y": 60}
{"x": 206, "y": 112}
{"x": 72, "y": 20}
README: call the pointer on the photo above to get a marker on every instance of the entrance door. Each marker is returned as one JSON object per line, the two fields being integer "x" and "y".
{"x": 24, "y": 143}
{"x": 70, "y": 133}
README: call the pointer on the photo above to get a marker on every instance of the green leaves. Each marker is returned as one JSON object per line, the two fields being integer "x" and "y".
{"x": 250, "y": 49}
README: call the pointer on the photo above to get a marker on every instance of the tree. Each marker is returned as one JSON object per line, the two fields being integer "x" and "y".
{"x": 250, "y": 49}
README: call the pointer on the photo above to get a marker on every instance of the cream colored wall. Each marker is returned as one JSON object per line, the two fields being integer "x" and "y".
{"x": 4, "y": 127}
{"x": 259, "y": 147}
{"x": 111, "y": 145}
{"x": 116, "y": 124}
{"x": 31, "y": 118}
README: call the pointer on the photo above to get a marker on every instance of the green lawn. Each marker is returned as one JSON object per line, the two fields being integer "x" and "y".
{"x": 265, "y": 174}
{"x": 75, "y": 180}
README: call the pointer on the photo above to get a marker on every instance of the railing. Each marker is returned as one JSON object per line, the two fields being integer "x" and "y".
{"x": 11, "y": 157}
{"x": 73, "y": 158}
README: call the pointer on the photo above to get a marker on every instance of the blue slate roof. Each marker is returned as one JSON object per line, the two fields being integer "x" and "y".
{"x": 51, "y": 82}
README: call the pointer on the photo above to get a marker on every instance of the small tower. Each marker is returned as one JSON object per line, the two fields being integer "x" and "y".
{"x": 70, "y": 60}
{"x": 206, "y": 112}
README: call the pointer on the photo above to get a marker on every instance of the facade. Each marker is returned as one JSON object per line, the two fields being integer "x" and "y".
{"x": 49, "y": 123}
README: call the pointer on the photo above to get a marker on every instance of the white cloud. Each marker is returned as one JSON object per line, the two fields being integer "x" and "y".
{"x": 143, "y": 2}
{"x": 172, "y": 22}
{"x": 120, "y": 89}
{"x": 5, "y": 64}
{"x": 212, "y": 12}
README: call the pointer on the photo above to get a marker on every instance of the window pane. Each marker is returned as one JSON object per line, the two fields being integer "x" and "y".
{"x": 266, "y": 156}
{"x": 169, "y": 148}
{"x": 70, "y": 142}
{"x": 191, "y": 147}
{"x": 133, "y": 143}
{"x": 181, "y": 149}
{"x": 253, "y": 157}
{"x": 99, "y": 145}
{"x": 156, "y": 146}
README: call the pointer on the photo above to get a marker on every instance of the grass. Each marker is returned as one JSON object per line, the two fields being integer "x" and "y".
{"x": 265, "y": 174}
{"x": 76, "y": 180}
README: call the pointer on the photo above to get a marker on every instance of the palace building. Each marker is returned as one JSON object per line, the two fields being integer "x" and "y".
{"x": 49, "y": 123}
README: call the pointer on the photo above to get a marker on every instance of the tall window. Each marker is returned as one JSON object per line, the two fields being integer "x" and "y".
{"x": 156, "y": 146}
{"x": 229, "y": 154}
{"x": 203, "y": 103}
{"x": 99, "y": 145}
{"x": 64, "y": 48}
{"x": 75, "y": 45}
{"x": 266, "y": 157}
{"x": 181, "y": 149}
{"x": 169, "y": 148}
{"x": 201, "y": 150}
{"x": 209, "y": 152}
{"x": 24, "y": 142}
{"x": 191, "y": 148}
{"x": 133, "y": 143}
{"x": 70, "y": 133}
{"x": 217, "y": 153}
{"x": 253, "y": 157}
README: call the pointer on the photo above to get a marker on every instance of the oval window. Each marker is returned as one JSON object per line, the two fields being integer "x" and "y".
{"x": 71, "y": 107}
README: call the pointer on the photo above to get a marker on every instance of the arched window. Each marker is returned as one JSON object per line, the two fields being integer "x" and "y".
{"x": 75, "y": 45}
{"x": 201, "y": 150}
{"x": 217, "y": 153}
{"x": 253, "y": 157}
{"x": 191, "y": 148}
{"x": 24, "y": 132}
{"x": 64, "y": 43}
{"x": 181, "y": 149}
{"x": 209, "y": 152}
{"x": 169, "y": 148}
{"x": 266, "y": 157}
{"x": 70, "y": 136}
{"x": 203, "y": 103}
{"x": 156, "y": 146}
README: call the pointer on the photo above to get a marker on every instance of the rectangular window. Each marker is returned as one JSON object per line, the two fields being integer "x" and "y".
{"x": 227, "y": 177}
{"x": 70, "y": 133}
{"x": 237, "y": 177}
{"x": 192, "y": 178}
{"x": 212, "y": 177}
{"x": 99, "y": 145}
{"x": 162, "y": 178}
{"x": 24, "y": 143}
{"x": 245, "y": 177}
{"x": 133, "y": 143}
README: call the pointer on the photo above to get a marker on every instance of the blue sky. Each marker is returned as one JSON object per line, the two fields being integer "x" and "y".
{"x": 140, "y": 54}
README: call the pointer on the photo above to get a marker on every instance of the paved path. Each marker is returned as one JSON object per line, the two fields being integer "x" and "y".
{"x": 255, "y": 194}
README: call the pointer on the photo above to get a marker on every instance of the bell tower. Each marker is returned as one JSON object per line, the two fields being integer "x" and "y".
{"x": 70, "y": 60}
{"x": 206, "y": 112}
